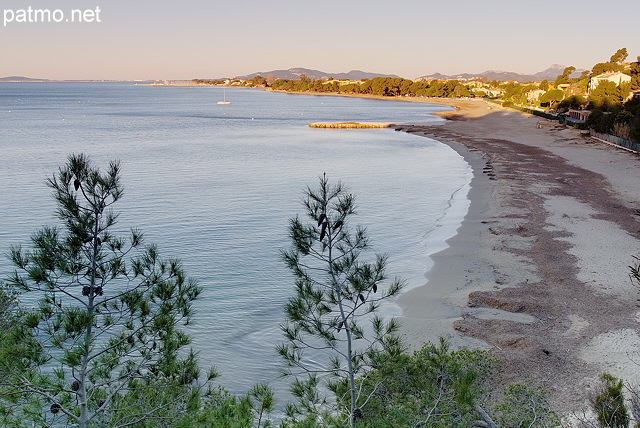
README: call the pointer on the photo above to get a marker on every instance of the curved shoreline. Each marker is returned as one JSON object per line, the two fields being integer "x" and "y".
{"x": 523, "y": 275}
{"x": 429, "y": 311}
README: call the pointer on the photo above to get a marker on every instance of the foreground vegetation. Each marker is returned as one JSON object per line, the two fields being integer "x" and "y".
{"x": 104, "y": 346}
{"x": 332, "y": 315}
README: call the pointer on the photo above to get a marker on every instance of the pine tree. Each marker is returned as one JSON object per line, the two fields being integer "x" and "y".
{"x": 103, "y": 347}
{"x": 332, "y": 329}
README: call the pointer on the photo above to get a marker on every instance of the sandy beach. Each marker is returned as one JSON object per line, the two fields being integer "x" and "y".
{"x": 538, "y": 271}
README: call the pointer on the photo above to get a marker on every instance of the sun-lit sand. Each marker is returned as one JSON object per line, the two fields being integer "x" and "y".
{"x": 538, "y": 271}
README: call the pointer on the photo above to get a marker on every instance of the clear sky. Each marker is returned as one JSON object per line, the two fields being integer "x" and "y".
{"x": 143, "y": 39}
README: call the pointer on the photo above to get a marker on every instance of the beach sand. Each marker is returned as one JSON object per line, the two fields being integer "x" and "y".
{"x": 538, "y": 271}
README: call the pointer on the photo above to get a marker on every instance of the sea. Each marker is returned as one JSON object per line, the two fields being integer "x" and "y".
{"x": 216, "y": 185}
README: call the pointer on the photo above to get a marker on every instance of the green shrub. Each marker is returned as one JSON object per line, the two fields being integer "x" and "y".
{"x": 524, "y": 405}
{"x": 609, "y": 403}
{"x": 432, "y": 387}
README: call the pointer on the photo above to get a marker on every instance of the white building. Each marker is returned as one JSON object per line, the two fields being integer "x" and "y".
{"x": 534, "y": 95}
{"x": 613, "y": 76}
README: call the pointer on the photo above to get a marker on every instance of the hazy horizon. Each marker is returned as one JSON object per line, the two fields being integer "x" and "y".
{"x": 264, "y": 73}
{"x": 146, "y": 40}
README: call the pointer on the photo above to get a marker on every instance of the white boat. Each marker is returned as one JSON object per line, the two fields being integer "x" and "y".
{"x": 224, "y": 97}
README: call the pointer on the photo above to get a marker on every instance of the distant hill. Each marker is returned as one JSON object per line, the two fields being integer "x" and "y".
{"x": 294, "y": 73}
{"x": 20, "y": 79}
{"x": 549, "y": 74}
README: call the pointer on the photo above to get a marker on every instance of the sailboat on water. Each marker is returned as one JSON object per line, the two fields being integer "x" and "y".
{"x": 224, "y": 97}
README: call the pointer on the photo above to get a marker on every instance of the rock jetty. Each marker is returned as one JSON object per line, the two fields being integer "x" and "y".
{"x": 350, "y": 125}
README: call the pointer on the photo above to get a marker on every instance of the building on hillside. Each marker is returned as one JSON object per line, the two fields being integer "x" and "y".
{"x": 475, "y": 84}
{"x": 534, "y": 95}
{"x": 612, "y": 76}
{"x": 342, "y": 82}
{"x": 494, "y": 92}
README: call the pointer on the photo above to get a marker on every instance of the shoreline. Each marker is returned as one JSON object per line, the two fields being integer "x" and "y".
{"x": 429, "y": 311}
{"x": 522, "y": 275}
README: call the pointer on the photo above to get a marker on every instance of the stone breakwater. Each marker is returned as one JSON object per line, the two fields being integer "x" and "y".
{"x": 350, "y": 125}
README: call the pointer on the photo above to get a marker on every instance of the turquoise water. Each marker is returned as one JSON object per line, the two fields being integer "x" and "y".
{"x": 215, "y": 186}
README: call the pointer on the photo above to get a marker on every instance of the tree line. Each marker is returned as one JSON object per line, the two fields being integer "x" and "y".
{"x": 382, "y": 86}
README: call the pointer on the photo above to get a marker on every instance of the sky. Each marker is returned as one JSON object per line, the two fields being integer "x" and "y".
{"x": 142, "y": 39}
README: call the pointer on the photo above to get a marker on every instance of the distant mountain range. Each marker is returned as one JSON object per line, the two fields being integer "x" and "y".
{"x": 294, "y": 73}
{"x": 549, "y": 74}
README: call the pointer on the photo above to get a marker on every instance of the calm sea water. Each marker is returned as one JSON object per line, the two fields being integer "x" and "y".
{"x": 215, "y": 186}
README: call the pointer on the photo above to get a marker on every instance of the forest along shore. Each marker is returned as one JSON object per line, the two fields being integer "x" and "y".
{"x": 538, "y": 271}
